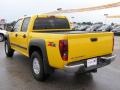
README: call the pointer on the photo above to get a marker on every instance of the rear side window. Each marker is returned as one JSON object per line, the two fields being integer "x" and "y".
{"x": 51, "y": 23}
{"x": 25, "y": 24}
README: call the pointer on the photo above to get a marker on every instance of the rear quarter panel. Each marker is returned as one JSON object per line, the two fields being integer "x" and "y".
{"x": 53, "y": 54}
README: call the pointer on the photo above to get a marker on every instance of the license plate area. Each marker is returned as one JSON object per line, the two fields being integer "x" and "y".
{"x": 91, "y": 62}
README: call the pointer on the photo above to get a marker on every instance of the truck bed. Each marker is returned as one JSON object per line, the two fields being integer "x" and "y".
{"x": 83, "y": 45}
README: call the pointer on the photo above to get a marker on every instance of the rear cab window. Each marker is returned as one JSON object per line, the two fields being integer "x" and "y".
{"x": 42, "y": 23}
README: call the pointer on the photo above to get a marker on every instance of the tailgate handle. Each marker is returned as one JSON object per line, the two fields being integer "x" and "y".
{"x": 94, "y": 39}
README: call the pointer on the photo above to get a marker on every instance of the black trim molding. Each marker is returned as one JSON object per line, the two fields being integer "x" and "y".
{"x": 18, "y": 46}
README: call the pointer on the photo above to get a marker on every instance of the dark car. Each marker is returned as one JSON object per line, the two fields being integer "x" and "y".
{"x": 116, "y": 30}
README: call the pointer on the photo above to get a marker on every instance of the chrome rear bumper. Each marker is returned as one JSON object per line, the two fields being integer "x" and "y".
{"x": 111, "y": 58}
{"x": 81, "y": 65}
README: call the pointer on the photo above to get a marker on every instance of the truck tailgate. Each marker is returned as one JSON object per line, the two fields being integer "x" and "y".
{"x": 88, "y": 45}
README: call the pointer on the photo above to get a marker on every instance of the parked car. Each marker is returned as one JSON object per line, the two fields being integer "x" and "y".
{"x": 104, "y": 28}
{"x": 94, "y": 27}
{"x": 2, "y": 34}
{"x": 82, "y": 27}
{"x": 116, "y": 30}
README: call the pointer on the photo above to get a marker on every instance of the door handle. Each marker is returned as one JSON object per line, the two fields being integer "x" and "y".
{"x": 94, "y": 39}
{"x": 16, "y": 35}
{"x": 24, "y": 36}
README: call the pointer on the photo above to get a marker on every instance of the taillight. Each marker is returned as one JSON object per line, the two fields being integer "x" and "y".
{"x": 63, "y": 47}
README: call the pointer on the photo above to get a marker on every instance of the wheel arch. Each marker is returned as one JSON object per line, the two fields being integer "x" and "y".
{"x": 2, "y": 34}
{"x": 40, "y": 46}
{"x": 6, "y": 37}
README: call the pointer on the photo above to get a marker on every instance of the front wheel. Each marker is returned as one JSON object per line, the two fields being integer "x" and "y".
{"x": 37, "y": 67}
{"x": 9, "y": 52}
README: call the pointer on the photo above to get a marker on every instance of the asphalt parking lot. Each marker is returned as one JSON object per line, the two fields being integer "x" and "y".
{"x": 15, "y": 74}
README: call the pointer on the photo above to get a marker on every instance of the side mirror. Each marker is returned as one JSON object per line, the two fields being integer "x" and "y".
{"x": 10, "y": 28}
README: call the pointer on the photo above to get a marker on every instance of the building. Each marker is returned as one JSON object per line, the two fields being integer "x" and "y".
{"x": 2, "y": 23}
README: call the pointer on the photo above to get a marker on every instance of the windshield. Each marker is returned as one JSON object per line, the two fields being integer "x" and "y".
{"x": 51, "y": 23}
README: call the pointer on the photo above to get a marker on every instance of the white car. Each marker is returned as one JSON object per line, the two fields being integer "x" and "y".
{"x": 2, "y": 34}
{"x": 82, "y": 27}
{"x": 94, "y": 27}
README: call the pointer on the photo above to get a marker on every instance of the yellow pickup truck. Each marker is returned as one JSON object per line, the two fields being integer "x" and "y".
{"x": 51, "y": 44}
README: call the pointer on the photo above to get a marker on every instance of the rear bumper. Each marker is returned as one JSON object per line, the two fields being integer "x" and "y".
{"x": 81, "y": 66}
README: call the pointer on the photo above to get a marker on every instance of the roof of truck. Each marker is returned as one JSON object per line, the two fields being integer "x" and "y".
{"x": 45, "y": 15}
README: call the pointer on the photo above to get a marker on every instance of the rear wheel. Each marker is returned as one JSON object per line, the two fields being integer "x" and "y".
{"x": 1, "y": 37}
{"x": 37, "y": 66}
{"x": 9, "y": 52}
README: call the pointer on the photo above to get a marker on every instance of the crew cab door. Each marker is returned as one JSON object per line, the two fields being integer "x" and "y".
{"x": 23, "y": 36}
{"x": 13, "y": 36}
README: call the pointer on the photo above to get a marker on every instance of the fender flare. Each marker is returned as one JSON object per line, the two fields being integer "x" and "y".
{"x": 40, "y": 43}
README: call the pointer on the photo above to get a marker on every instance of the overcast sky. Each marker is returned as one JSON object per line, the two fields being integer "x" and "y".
{"x": 14, "y": 9}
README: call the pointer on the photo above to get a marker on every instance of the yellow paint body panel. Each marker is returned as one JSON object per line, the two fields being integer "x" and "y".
{"x": 81, "y": 47}
{"x": 53, "y": 53}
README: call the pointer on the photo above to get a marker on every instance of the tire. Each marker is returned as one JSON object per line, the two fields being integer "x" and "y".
{"x": 8, "y": 51}
{"x": 1, "y": 37}
{"x": 37, "y": 66}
